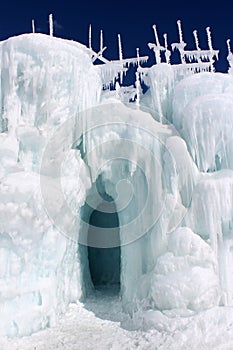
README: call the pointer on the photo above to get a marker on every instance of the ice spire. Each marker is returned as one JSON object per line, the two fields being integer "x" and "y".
{"x": 157, "y": 43}
{"x": 138, "y": 89}
{"x": 51, "y": 25}
{"x": 33, "y": 26}
{"x": 120, "y": 48}
{"x": 230, "y": 57}
{"x": 180, "y": 31}
{"x": 101, "y": 41}
{"x": 138, "y": 60}
{"x": 181, "y": 45}
{"x": 167, "y": 52}
{"x": 120, "y": 56}
{"x": 229, "y": 46}
{"x": 209, "y": 38}
{"x": 156, "y": 47}
{"x": 212, "y": 51}
{"x": 196, "y": 40}
{"x": 90, "y": 47}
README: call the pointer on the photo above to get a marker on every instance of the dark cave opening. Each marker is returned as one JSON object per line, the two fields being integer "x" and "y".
{"x": 104, "y": 253}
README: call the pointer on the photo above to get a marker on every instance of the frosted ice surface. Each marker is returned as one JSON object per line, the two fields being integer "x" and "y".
{"x": 186, "y": 275}
{"x": 179, "y": 223}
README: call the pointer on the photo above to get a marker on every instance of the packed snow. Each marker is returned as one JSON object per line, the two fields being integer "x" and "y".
{"x": 75, "y": 155}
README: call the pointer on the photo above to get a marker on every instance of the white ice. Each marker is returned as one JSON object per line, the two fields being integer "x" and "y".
{"x": 167, "y": 165}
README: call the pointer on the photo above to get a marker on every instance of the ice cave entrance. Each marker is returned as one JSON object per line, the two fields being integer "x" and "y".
{"x": 104, "y": 260}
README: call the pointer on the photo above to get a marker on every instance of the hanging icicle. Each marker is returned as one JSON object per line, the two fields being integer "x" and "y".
{"x": 51, "y": 25}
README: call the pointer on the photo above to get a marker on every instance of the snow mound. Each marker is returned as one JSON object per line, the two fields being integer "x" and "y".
{"x": 186, "y": 276}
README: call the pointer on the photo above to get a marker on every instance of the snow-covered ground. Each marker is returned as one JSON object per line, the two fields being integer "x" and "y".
{"x": 100, "y": 323}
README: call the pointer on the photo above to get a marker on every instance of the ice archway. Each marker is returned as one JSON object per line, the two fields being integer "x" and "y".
{"x": 102, "y": 255}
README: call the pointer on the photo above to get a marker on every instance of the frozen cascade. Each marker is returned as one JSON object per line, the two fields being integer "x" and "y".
{"x": 175, "y": 220}
{"x": 202, "y": 112}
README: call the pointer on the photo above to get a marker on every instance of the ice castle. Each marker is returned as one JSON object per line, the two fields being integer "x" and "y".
{"x": 103, "y": 183}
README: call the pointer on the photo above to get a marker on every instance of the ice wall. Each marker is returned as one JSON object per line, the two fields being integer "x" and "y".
{"x": 44, "y": 82}
{"x": 146, "y": 168}
{"x": 175, "y": 219}
{"x": 202, "y": 112}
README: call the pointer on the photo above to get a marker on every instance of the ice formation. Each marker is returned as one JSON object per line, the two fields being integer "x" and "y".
{"x": 72, "y": 143}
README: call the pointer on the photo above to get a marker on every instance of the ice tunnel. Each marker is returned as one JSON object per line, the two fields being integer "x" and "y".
{"x": 102, "y": 253}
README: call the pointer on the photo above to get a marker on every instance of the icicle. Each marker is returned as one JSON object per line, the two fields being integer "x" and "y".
{"x": 120, "y": 56}
{"x": 138, "y": 61}
{"x": 229, "y": 46}
{"x": 196, "y": 40}
{"x": 33, "y": 26}
{"x": 167, "y": 52}
{"x": 90, "y": 47}
{"x": 157, "y": 47}
{"x": 51, "y": 25}
{"x": 101, "y": 41}
{"x": 209, "y": 38}
{"x": 156, "y": 35}
{"x": 230, "y": 57}
{"x": 120, "y": 48}
{"x": 181, "y": 44}
{"x": 138, "y": 89}
{"x": 180, "y": 31}
{"x": 165, "y": 40}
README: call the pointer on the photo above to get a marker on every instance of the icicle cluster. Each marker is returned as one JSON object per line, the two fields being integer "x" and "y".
{"x": 191, "y": 61}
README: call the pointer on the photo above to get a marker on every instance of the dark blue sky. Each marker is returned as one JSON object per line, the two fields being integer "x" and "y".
{"x": 133, "y": 20}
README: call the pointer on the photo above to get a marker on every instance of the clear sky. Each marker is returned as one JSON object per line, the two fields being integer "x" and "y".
{"x": 133, "y": 20}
